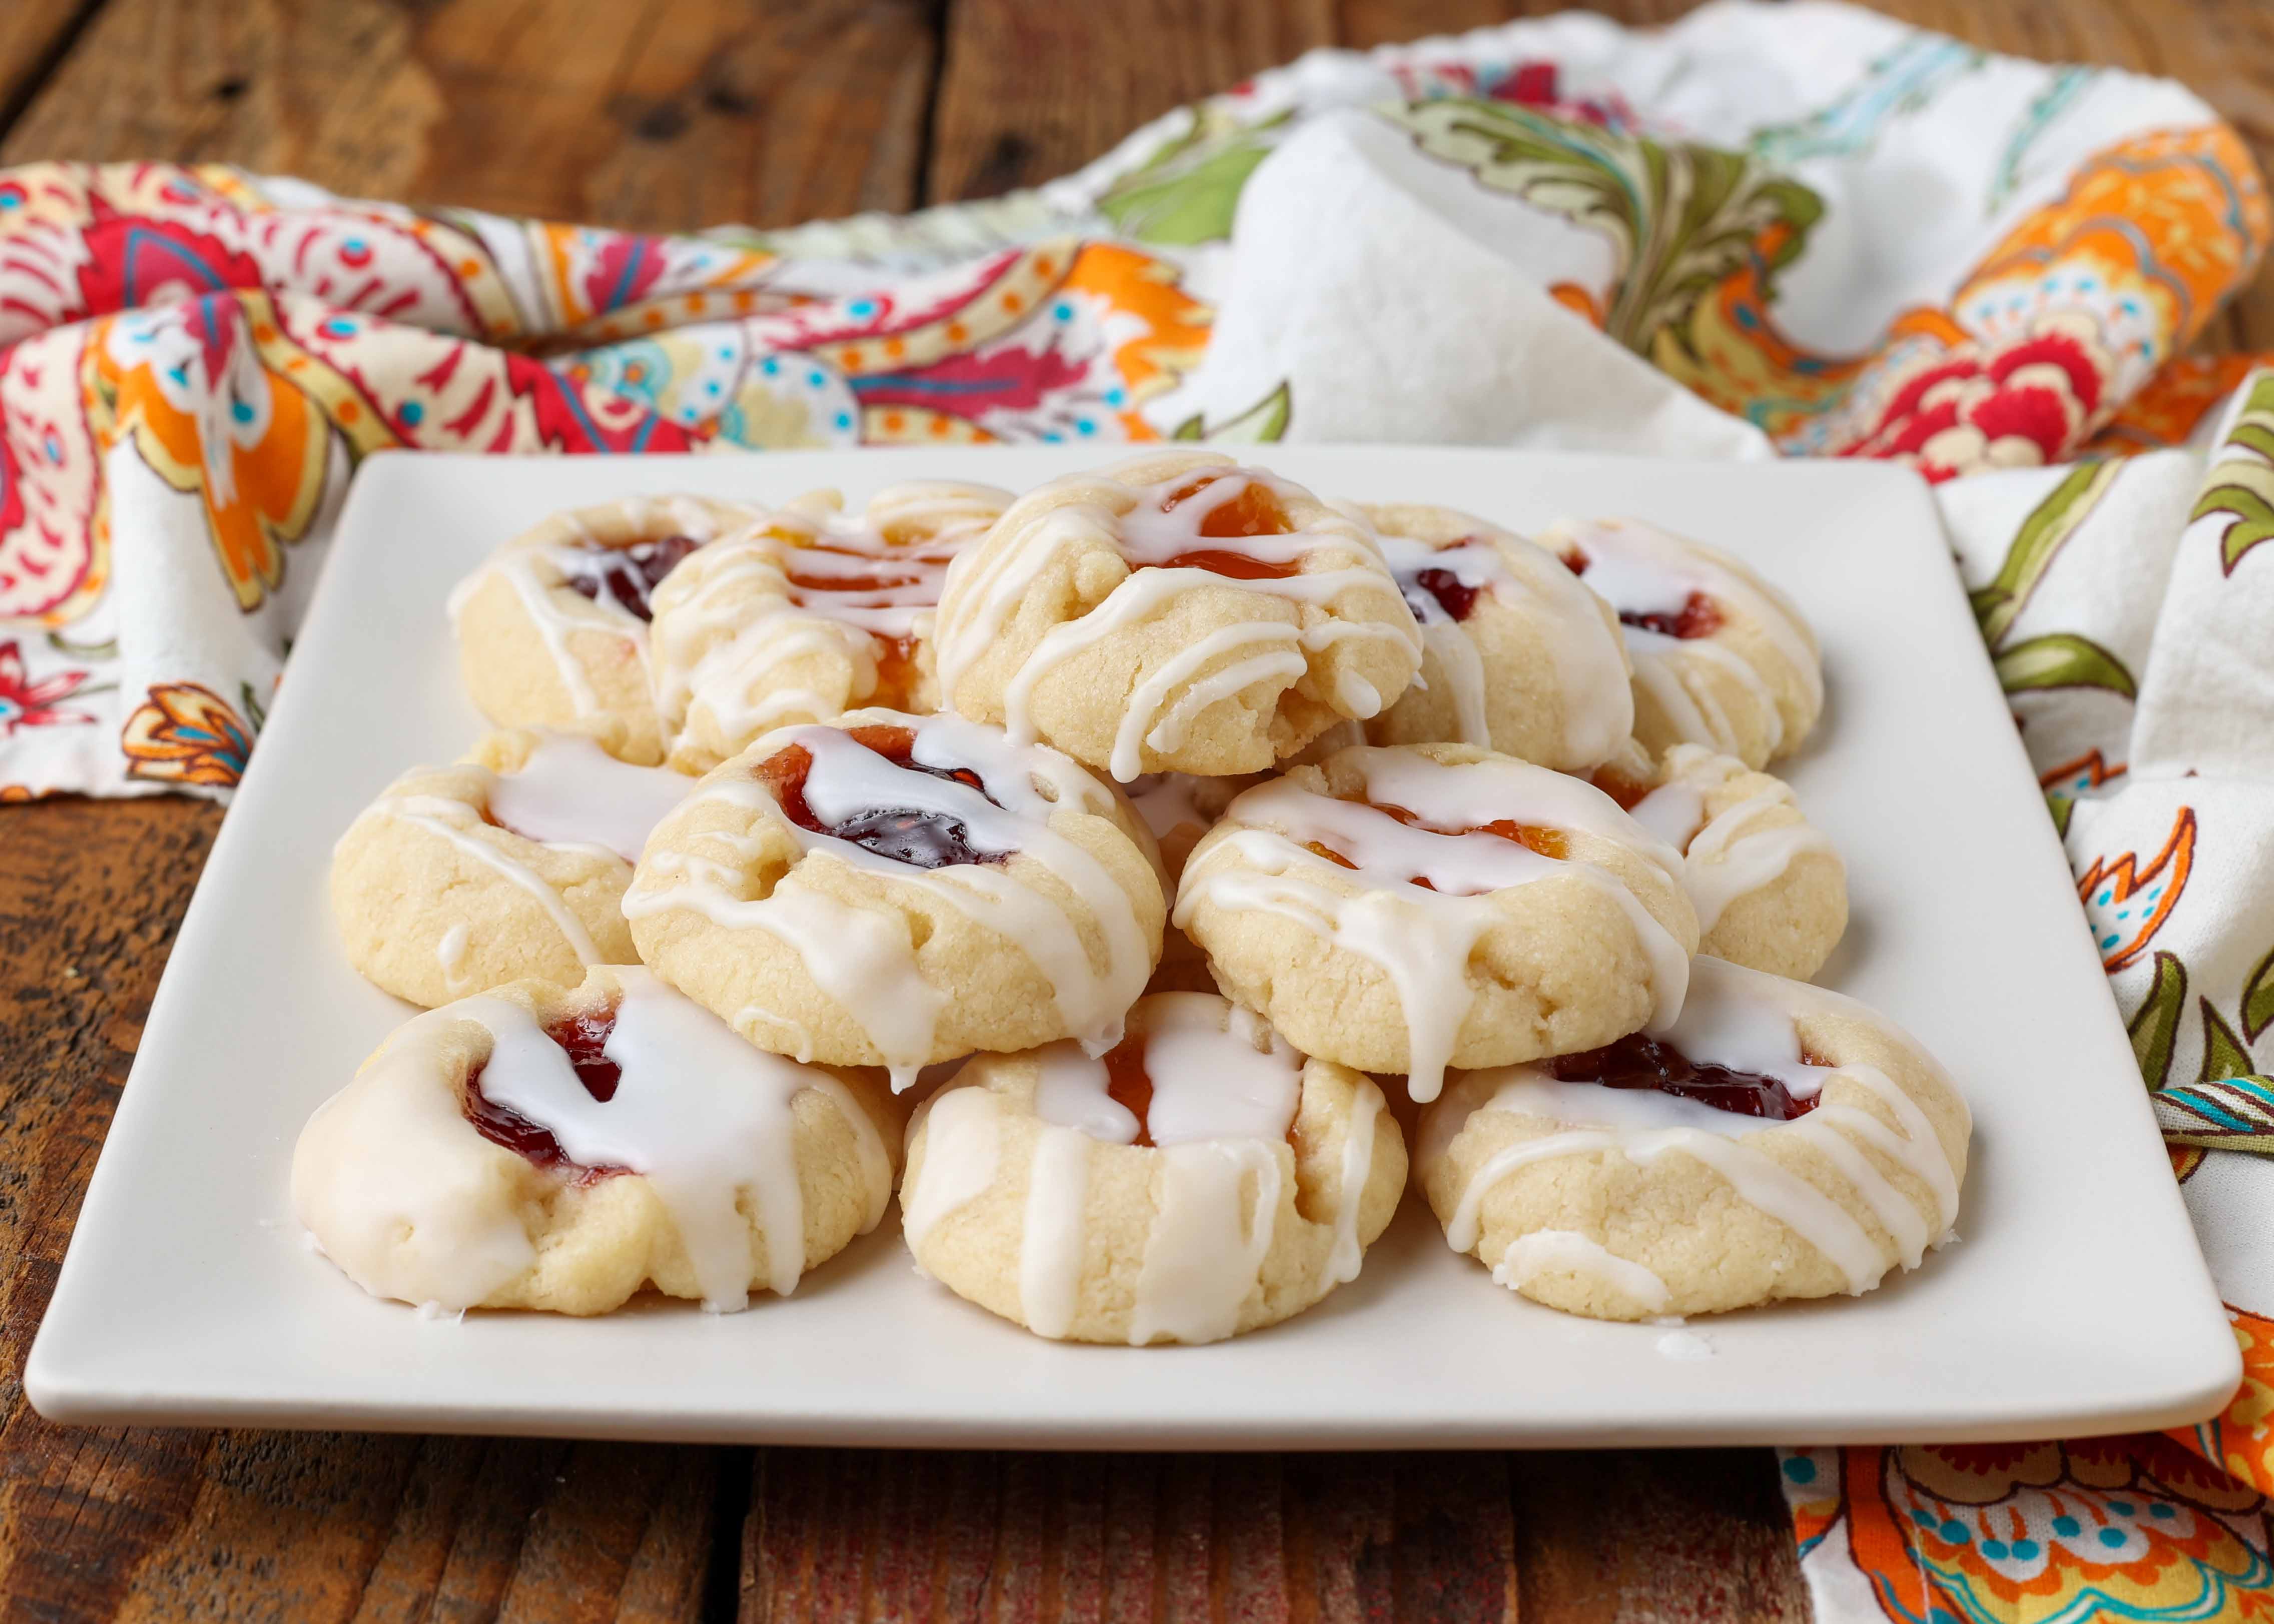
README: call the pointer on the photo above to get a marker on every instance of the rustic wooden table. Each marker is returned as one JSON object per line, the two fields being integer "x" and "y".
{"x": 663, "y": 117}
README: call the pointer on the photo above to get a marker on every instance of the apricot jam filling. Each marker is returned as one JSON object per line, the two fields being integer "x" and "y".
{"x": 584, "y": 1039}
{"x": 1550, "y": 842}
{"x": 1640, "y": 1061}
{"x": 905, "y": 834}
{"x": 1251, "y": 511}
{"x": 628, "y": 576}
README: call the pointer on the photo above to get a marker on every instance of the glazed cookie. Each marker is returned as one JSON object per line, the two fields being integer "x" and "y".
{"x": 1200, "y": 1180}
{"x": 1178, "y": 809}
{"x": 893, "y": 890}
{"x": 1722, "y": 658}
{"x": 540, "y": 1147}
{"x": 1176, "y": 614}
{"x": 553, "y": 630}
{"x": 807, "y": 613}
{"x": 1404, "y": 910}
{"x": 1770, "y": 891}
{"x": 508, "y": 865}
{"x": 1518, "y": 656}
{"x": 1778, "y": 1140}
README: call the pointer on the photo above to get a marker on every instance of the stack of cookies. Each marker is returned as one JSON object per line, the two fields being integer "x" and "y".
{"x": 1123, "y": 873}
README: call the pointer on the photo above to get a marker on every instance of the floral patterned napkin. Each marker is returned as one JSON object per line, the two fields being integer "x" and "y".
{"x": 1795, "y": 229}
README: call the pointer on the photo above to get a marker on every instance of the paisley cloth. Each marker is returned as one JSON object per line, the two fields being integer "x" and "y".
{"x": 1796, "y": 230}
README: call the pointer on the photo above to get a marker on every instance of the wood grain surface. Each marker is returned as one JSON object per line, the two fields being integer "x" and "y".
{"x": 646, "y": 114}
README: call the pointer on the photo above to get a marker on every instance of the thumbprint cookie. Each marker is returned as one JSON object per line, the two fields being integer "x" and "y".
{"x": 1722, "y": 658}
{"x": 1197, "y": 1180}
{"x": 1404, "y": 910}
{"x": 1176, "y": 614}
{"x": 893, "y": 889}
{"x": 806, "y": 613}
{"x": 552, "y": 629}
{"x": 1778, "y": 1140}
{"x": 541, "y": 1147}
{"x": 1770, "y": 891}
{"x": 510, "y": 864}
{"x": 1519, "y": 657}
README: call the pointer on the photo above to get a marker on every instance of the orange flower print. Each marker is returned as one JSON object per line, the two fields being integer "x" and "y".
{"x": 2127, "y": 902}
{"x": 2087, "y": 772}
{"x": 186, "y": 733}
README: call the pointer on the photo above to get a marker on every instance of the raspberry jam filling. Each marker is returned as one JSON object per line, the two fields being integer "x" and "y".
{"x": 1454, "y": 595}
{"x": 1640, "y": 1061}
{"x": 584, "y": 1039}
{"x": 905, "y": 834}
{"x": 1699, "y": 617}
{"x": 628, "y": 575}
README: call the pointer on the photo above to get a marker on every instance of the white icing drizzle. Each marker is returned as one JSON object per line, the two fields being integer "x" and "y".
{"x": 796, "y": 583}
{"x": 456, "y": 822}
{"x": 1542, "y": 1251}
{"x": 1645, "y": 571}
{"x": 1423, "y": 938}
{"x": 1217, "y": 1071}
{"x": 1166, "y": 803}
{"x": 451, "y": 953}
{"x": 1357, "y": 1161}
{"x": 980, "y": 597}
{"x": 963, "y": 1145}
{"x": 704, "y": 1117}
{"x": 1051, "y": 1239}
{"x": 864, "y": 957}
{"x": 1205, "y": 1254}
{"x": 570, "y": 792}
{"x": 1746, "y": 1021}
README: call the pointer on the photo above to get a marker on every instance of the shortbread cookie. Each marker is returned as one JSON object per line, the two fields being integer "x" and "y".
{"x": 1176, "y": 614}
{"x": 1778, "y": 1140}
{"x": 1404, "y": 910}
{"x": 1722, "y": 658}
{"x": 1519, "y": 657}
{"x": 510, "y": 864}
{"x": 552, "y": 629}
{"x": 893, "y": 890}
{"x": 1770, "y": 891}
{"x": 807, "y": 613}
{"x": 540, "y": 1147}
{"x": 1200, "y": 1180}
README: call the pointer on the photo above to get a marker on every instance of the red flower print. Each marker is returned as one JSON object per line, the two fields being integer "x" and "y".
{"x": 27, "y": 703}
{"x": 2020, "y": 404}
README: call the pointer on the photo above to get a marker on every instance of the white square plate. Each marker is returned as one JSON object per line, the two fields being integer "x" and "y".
{"x": 2077, "y": 1302}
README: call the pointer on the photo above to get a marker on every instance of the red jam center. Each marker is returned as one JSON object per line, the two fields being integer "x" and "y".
{"x": 904, "y": 834}
{"x": 584, "y": 1039}
{"x": 1699, "y": 617}
{"x": 1454, "y": 597}
{"x": 1640, "y": 1061}
{"x": 628, "y": 575}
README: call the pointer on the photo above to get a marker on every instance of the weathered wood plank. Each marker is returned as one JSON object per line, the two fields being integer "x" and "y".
{"x": 652, "y": 116}
{"x": 1030, "y": 89}
{"x": 33, "y": 34}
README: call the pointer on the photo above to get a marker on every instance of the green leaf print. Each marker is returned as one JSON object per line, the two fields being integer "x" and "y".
{"x": 2224, "y": 1055}
{"x": 1188, "y": 189}
{"x": 1260, "y": 425}
{"x": 2061, "y": 659}
{"x": 2241, "y": 484}
{"x": 2155, "y": 1026}
{"x": 2050, "y": 524}
{"x": 2258, "y": 999}
{"x": 1679, "y": 218}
